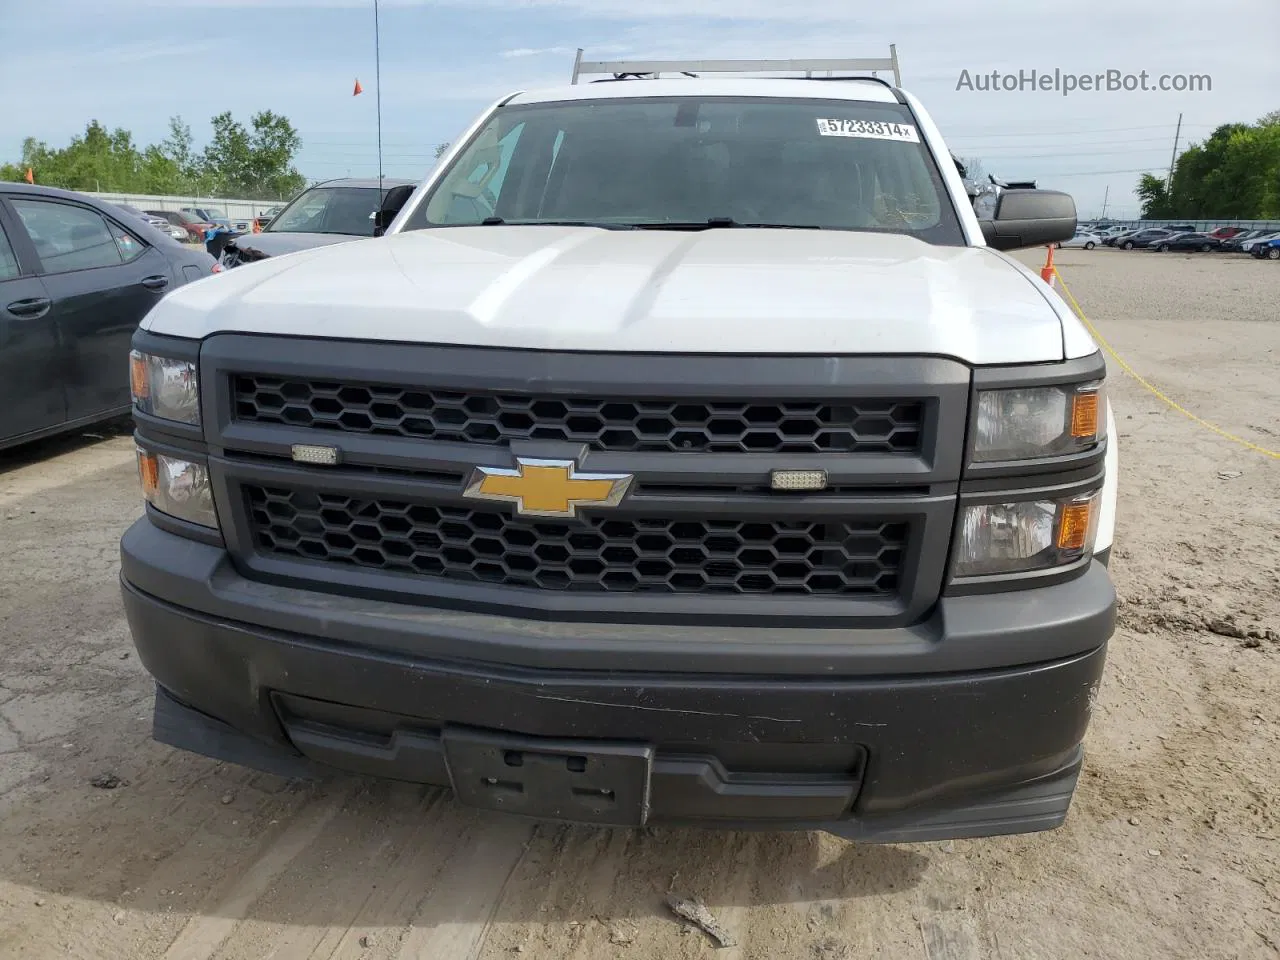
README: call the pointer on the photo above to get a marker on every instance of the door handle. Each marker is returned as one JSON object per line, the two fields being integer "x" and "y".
{"x": 158, "y": 282}
{"x": 32, "y": 308}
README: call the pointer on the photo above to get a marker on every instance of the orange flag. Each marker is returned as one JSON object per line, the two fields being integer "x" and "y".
{"x": 31, "y": 177}
{"x": 359, "y": 89}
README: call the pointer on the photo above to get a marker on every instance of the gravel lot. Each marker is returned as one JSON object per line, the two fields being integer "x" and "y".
{"x": 1171, "y": 849}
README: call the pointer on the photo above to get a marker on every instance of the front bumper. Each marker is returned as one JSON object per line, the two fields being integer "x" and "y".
{"x": 831, "y": 729}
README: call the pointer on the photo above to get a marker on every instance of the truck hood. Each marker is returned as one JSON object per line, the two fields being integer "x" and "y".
{"x": 255, "y": 246}
{"x": 571, "y": 288}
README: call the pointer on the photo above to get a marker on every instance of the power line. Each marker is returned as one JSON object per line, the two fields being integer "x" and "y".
{"x": 1052, "y": 156}
{"x": 1073, "y": 132}
{"x": 1094, "y": 173}
{"x": 1077, "y": 143}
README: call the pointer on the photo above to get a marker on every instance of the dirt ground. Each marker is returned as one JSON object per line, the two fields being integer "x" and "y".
{"x": 1171, "y": 849}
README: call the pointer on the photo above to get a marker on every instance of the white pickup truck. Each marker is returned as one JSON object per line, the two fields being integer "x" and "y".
{"x": 687, "y": 451}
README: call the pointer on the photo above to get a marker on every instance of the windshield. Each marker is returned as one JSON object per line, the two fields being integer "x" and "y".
{"x": 344, "y": 210}
{"x": 829, "y": 164}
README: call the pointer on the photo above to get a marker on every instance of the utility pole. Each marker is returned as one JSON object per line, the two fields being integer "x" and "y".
{"x": 377, "y": 84}
{"x": 1105, "y": 195}
{"x": 1168, "y": 184}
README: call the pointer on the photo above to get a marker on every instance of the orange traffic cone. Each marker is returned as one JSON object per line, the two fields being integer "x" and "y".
{"x": 1046, "y": 272}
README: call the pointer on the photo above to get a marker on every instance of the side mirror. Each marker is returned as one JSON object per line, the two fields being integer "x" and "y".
{"x": 1030, "y": 218}
{"x": 392, "y": 203}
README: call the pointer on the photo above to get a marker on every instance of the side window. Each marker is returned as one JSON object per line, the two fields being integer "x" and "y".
{"x": 70, "y": 238}
{"x": 8, "y": 262}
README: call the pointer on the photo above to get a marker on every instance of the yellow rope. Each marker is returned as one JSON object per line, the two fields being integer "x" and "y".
{"x": 1155, "y": 390}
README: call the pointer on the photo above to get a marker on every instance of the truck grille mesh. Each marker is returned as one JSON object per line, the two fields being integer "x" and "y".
{"x": 833, "y": 557}
{"x": 746, "y": 426}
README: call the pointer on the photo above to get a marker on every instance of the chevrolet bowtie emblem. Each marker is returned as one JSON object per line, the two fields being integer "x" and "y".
{"x": 547, "y": 488}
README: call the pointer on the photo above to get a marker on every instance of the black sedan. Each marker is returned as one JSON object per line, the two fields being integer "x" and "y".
{"x": 77, "y": 275}
{"x": 336, "y": 211}
{"x": 1143, "y": 238}
{"x": 1187, "y": 241}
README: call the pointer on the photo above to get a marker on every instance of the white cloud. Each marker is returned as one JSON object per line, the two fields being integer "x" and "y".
{"x": 521, "y": 52}
{"x": 604, "y": 50}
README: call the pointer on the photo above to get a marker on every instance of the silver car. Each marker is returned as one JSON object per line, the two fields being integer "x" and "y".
{"x": 1086, "y": 241}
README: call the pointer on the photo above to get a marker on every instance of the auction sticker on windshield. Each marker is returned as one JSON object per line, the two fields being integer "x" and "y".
{"x": 870, "y": 129}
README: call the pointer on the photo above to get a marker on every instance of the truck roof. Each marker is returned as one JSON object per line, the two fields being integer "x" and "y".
{"x": 867, "y": 90}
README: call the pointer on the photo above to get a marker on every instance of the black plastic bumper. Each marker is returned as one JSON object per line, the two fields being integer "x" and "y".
{"x": 629, "y": 729}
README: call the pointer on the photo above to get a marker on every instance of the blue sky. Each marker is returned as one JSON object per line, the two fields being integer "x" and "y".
{"x": 134, "y": 63}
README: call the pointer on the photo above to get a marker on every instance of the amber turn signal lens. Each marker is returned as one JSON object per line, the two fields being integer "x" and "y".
{"x": 148, "y": 473}
{"x": 1073, "y": 525}
{"x": 138, "y": 380}
{"x": 1084, "y": 416}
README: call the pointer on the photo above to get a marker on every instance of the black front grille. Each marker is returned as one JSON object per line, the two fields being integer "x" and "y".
{"x": 750, "y": 426}
{"x": 832, "y": 557}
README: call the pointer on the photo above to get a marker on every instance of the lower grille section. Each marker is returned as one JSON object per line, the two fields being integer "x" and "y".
{"x": 829, "y": 557}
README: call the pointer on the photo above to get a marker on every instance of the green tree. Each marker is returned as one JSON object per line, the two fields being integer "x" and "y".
{"x": 256, "y": 164}
{"x": 272, "y": 146}
{"x": 1234, "y": 173}
{"x": 179, "y": 150}
{"x": 974, "y": 168}
{"x": 97, "y": 160}
{"x": 1155, "y": 200}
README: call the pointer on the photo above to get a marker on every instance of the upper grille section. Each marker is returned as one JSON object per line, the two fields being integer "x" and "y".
{"x": 745, "y": 426}
{"x": 839, "y": 556}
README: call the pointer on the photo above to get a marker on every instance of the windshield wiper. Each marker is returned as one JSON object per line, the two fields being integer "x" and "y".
{"x": 724, "y": 223}
{"x": 601, "y": 224}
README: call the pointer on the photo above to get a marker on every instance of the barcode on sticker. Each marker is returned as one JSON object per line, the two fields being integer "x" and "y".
{"x": 870, "y": 129}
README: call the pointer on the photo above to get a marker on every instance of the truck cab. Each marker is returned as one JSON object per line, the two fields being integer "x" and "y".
{"x": 688, "y": 451}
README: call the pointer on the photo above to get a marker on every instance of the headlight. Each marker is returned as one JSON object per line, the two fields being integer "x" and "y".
{"x": 169, "y": 389}
{"x": 177, "y": 487}
{"x": 998, "y": 538}
{"x": 1029, "y": 422}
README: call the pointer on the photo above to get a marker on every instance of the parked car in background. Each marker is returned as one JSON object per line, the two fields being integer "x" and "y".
{"x": 231, "y": 225}
{"x": 158, "y": 222}
{"x": 1187, "y": 241}
{"x": 1232, "y": 245}
{"x": 1270, "y": 249}
{"x": 198, "y": 231}
{"x": 336, "y": 211}
{"x": 1250, "y": 245}
{"x": 1143, "y": 238}
{"x": 1113, "y": 239}
{"x": 1086, "y": 241}
{"x": 266, "y": 216}
{"x": 77, "y": 275}
{"x": 1226, "y": 233}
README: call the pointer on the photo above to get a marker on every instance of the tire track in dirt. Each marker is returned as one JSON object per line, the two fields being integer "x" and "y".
{"x": 386, "y": 884}
{"x": 363, "y": 878}
{"x": 203, "y": 934}
{"x": 453, "y": 920}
